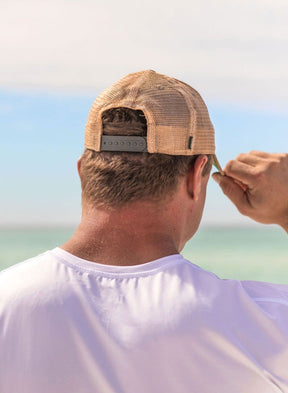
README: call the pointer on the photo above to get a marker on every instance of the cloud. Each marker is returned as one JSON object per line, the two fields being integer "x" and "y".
{"x": 234, "y": 52}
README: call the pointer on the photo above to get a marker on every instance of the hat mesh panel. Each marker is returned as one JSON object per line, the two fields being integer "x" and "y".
{"x": 174, "y": 111}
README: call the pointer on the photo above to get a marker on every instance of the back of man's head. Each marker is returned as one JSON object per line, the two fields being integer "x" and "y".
{"x": 166, "y": 123}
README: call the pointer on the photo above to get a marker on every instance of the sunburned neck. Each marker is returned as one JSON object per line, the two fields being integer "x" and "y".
{"x": 119, "y": 238}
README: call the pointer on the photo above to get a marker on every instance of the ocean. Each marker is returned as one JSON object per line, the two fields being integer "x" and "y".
{"x": 259, "y": 253}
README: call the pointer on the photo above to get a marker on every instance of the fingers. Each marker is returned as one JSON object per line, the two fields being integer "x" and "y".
{"x": 244, "y": 167}
{"x": 240, "y": 171}
{"x": 249, "y": 159}
{"x": 264, "y": 155}
{"x": 257, "y": 183}
{"x": 234, "y": 191}
{"x": 255, "y": 157}
{"x": 260, "y": 154}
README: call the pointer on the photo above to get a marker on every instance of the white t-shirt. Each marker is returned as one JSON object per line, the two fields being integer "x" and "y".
{"x": 72, "y": 326}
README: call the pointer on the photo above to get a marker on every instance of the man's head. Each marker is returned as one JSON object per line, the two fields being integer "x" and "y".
{"x": 143, "y": 134}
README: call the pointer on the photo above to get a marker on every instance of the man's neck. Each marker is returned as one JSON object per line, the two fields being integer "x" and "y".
{"x": 124, "y": 237}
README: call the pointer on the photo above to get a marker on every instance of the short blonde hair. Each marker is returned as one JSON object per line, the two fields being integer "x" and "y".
{"x": 113, "y": 179}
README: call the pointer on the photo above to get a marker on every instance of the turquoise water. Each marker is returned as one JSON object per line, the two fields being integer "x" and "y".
{"x": 240, "y": 253}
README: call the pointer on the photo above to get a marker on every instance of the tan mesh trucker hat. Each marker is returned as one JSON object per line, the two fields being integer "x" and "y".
{"x": 177, "y": 118}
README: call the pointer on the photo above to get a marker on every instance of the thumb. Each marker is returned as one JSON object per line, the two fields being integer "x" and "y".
{"x": 234, "y": 191}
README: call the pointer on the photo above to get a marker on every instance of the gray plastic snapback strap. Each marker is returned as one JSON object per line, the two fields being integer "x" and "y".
{"x": 123, "y": 143}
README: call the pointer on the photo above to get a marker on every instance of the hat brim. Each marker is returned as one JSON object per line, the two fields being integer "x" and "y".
{"x": 217, "y": 165}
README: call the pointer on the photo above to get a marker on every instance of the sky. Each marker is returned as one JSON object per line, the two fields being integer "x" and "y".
{"x": 57, "y": 56}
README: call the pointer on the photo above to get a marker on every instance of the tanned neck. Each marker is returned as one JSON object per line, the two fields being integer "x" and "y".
{"x": 125, "y": 238}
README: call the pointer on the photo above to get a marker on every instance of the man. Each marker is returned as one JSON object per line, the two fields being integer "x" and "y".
{"x": 117, "y": 308}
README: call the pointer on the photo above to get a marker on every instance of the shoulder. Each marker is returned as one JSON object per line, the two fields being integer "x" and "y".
{"x": 257, "y": 291}
{"x": 266, "y": 292}
{"x": 30, "y": 280}
{"x": 269, "y": 297}
{"x": 25, "y": 269}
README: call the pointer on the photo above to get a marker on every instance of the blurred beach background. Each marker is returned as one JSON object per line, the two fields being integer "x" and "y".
{"x": 57, "y": 56}
{"x": 236, "y": 253}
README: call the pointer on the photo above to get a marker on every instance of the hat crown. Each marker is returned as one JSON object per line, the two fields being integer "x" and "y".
{"x": 175, "y": 113}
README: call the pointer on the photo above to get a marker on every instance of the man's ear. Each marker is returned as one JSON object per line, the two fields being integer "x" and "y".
{"x": 195, "y": 175}
{"x": 79, "y": 165}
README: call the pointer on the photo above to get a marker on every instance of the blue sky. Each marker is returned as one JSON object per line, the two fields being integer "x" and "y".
{"x": 58, "y": 56}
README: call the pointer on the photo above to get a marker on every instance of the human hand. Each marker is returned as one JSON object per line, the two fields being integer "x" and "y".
{"x": 257, "y": 183}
